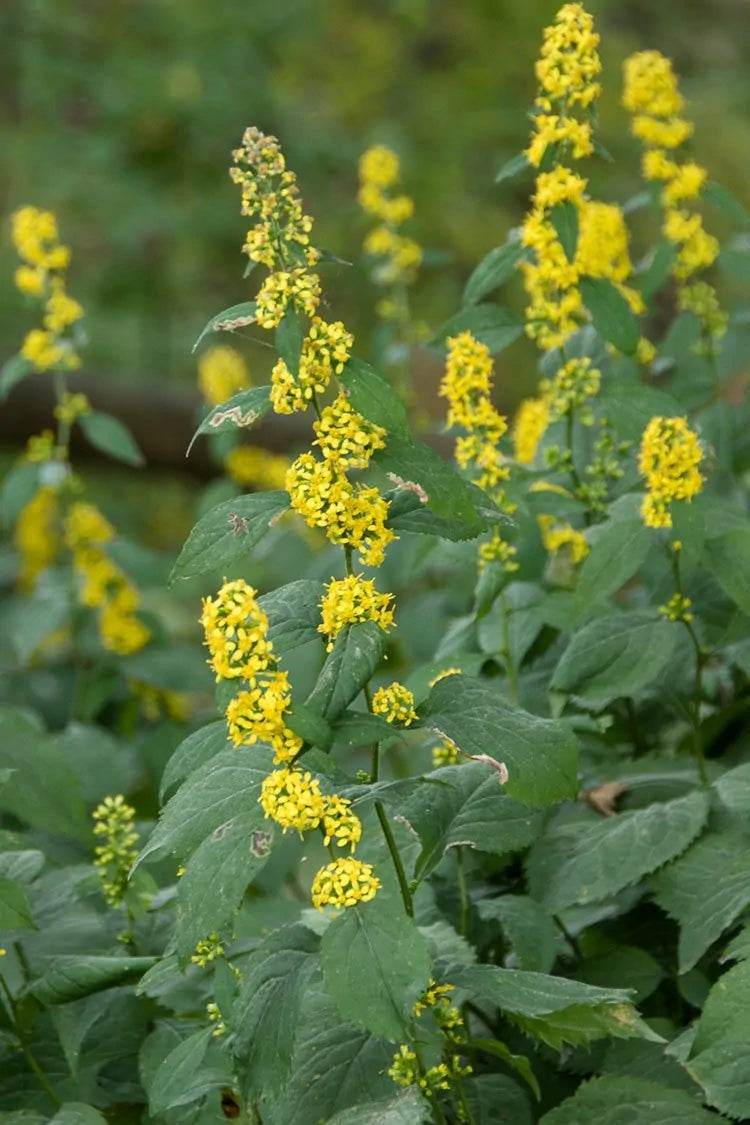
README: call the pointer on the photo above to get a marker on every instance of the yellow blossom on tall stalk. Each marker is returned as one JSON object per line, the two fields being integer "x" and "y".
{"x": 652, "y": 96}
{"x": 350, "y": 600}
{"x": 222, "y": 372}
{"x": 397, "y": 257}
{"x": 235, "y": 629}
{"x": 669, "y": 459}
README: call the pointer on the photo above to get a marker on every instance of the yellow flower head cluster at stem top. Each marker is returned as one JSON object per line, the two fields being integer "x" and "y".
{"x": 345, "y": 882}
{"x": 345, "y": 438}
{"x": 222, "y": 372}
{"x": 529, "y": 427}
{"x": 651, "y": 95}
{"x": 258, "y": 715}
{"x": 669, "y": 457}
{"x": 350, "y": 514}
{"x": 561, "y": 536}
{"x": 235, "y": 628}
{"x": 397, "y": 257}
{"x": 293, "y": 800}
{"x": 325, "y": 350}
{"x": 102, "y": 585}
{"x": 395, "y": 703}
{"x": 254, "y": 467}
{"x": 567, "y": 73}
{"x": 350, "y": 600}
{"x": 117, "y": 854}
{"x": 42, "y": 275}
{"x": 36, "y": 535}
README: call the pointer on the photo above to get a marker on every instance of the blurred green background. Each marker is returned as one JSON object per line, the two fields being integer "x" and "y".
{"x": 120, "y": 116}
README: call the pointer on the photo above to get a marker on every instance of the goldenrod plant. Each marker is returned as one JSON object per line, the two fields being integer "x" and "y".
{"x": 462, "y": 837}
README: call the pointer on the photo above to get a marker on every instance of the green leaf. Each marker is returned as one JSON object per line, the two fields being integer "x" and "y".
{"x": 494, "y": 269}
{"x": 642, "y": 972}
{"x": 408, "y": 1107}
{"x": 182, "y": 1077}
{"x": 512, "y": 167}
{"x": 236, "y": 316}
{"x": 735, "y": 262}
{"x": 498, "y": 1099}
{"x": 407, "y": 512}
{"x": 734, "y": 788}
{"x": 541, "y": 755}
{"x": 357, "y": 652}
{"x": 197, "y": 749}
{"x": 43, "y": 791}
{"x": 227, "y": 532}
{"x": 721, "y": 198}
{"x": 107, "y": 434}
{"x": 308, "y": 725}
{"x": 354, "y": 729}
{"x": 293, "y": 614}
{"x": 375, "y": 964}
{"x": 76, "y": 1113}
{"x": 611, "y": 314}
{"x": 373, "y": 397}
{"x": 266, "y": 1012}
{"x": 218, "y": 874}
{"x": 630, "y": 406}
{"x": 705, "y": 891}
{"x": 658, "y": 269}
{"x": 223, "y": 788}
{"x": 718, "y": 1059}
{"x": 554, "y": 1009}
{"x": 23, "y": 866}
{"x": 174, "y": 667}
{"x": 728, "y": 559}
{"x": 15, "y": 913}
{"x": 289, "y": 337}
{"x": 616, "y": 554}
{"x": 465, "y": 806}
{"x": 18, "y": 486}
{"x": 614, "y": 1100}
{"x": 528, "y": 928}
{"x": 70, "y": 977}
{"x": 564, "y": 218}
{"x": 335, "y": 1065}
{"x": 493, "y": 325}
{"x": 614, "y": 656}
{"x": 239, "y": 412}
{"x": 13, "y": 371}
{"x": 610, "y": 854}
{"x": 443, "y": 488}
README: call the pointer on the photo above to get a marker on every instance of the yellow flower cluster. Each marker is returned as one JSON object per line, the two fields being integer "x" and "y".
{"x": 294, "y": 800}
{"x": 397, "y": 257}
{"x": 36, "y": 535}
{"x": 235, "y": 629}
{"x": 254, "y": 467}
{"x": 567, "y": 73}
{"x": 324, "y": 352}
{"x": 45, "y": 260}
{"x": 572, "y": 388}
{"x": 395, "y": 703}
{"x": 345, "y": 438}
{"x": 345, "y": 882}
{"x": 222, "y": 372}
{"x": 103, "y": 586}
{"x": 652, "y": 96}
{"x": 445, "y": 754}
{"x": 669, "y": 457}
{"x": 207, "y": 950}
{"x": 352, "y": 599}
{"x": 71, "y": 407}
{"x": 558, "y": 536}
{"x": 529, "y": 427}
{"x": 677, "y": 609}
{"x": 117, "y": 854}
{"x": 258, "y": 715}
{"x": 405, "y": 1070}
{"x": 296, "y": 286}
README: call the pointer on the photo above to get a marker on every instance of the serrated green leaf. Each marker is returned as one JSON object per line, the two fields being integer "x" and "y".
{"x": 266, "y": 1011}
{"x": 15, "y": 913}
{"x": 518, "y": 163}
{"x": 354, "y": 729}
{"x": 76, "y": 1113}
{"x": 107, "y": 434}
{"x": 735, "y": 262}
{"x": 541, "y": 755}
{"x": 564, "y": 218}
{"x": 227, "y": 532}
{"x": 407, "y": 512}
{"x": 614, "y": 656}
{"x": 723, "y": 199}
{"x": 357, "y": 652}
{"x": 734, "y": 788}
{"x": 239, "y": 412}
{"x": 498, "y": 1099}
{"x": 718, "y": 1059}
{"x": 466, "y": 806}
{"x": 197, "y": 749}
{"x": 408, "y": 1107}
{"x": 217, "y": 875}
{"x": 236, "y": 316}
{"x": 705, "y": 891}
{"x": 493, "y": 325}
{"x": 373, "y": 397}
{"x": 617, "y": 552}
{"x": 642, "y": 972}
{"x": 528, "y": 927}
{"x": 494, "y": 269}
{"x": 293, "y": 614}
{"x": 18, "y": 486}
{"x": 612, "y": 316}
{"x": 182, "y": 1078}
{"x": 444, "y": 490}
{"x": 70, "y": 977}
{"x": 375, "y": 964}
{"x": 614, "y": 1100}
{"x": 23, "y": 866}
{"x": 612, "y": 853}
{"x": 630, "y": 405}
{"x": 728, "y": 559}
{"x": 223, "y": 788}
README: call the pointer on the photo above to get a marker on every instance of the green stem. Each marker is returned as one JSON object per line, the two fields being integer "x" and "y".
{"x": 510, "y": 666}
{"x": 700, "y": 660}
{"x": 396, "y": 858}
{"x": 34, "y": 1066}
{"x": 463, "y": 894}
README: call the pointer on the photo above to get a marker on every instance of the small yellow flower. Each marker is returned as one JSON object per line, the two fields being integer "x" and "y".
{"x": 395, "y": 703}
{"x": 293, "y": 799}
{"x": 345, "y": 882}
{"x": 352, "y": 599}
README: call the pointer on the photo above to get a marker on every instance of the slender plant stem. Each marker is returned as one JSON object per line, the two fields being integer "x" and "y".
{"x": 398, "y": 865}
{"x": 44, "y": 1082}
{"x": 700, "y": 660}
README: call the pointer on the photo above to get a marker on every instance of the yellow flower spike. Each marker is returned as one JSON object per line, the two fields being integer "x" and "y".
{"x": 529, "y": 427}
{"x": 258, "y": 715}
{"x": 345, "y": 438}
{"x": 325, "y": 350}
{"x": 254, "y": 467}
{"x": 669, "y": 459}
{"x": 558, "y": 536}
{"x": 116, "y": 855}
{"x": 340, "y": 824}
{"x": 235, "y": 630}
{"x": 207, "y": 950}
